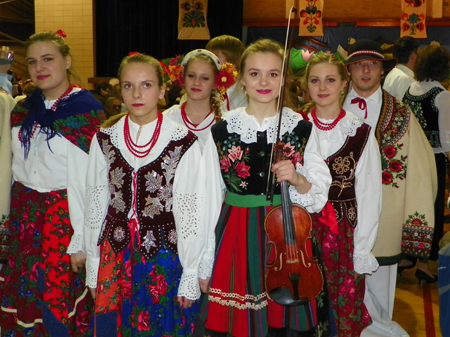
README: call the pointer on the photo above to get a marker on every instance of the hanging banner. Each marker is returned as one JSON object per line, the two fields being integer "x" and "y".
{"x": 311, "y": 18}
{"x": 412, "y": 22}
{"x": 192, "y": 23}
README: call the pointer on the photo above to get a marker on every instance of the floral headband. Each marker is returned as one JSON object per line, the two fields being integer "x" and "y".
{"x": 224, "y": 79}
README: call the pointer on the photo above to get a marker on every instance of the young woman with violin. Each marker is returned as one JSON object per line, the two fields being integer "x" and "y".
{"x": 240, "y": 147}
{"x": 347, "y": 229}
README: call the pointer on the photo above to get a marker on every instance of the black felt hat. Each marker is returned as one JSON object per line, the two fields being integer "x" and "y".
{"x": 366, "y": 50}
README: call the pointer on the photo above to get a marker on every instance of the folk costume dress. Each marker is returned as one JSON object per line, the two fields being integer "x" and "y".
{"x": 348, "y": 235}
{"x": 145, "y": 229}
{"x": 240, "y": 148}
{"x": 40, "y": 295}
{"x": 430, "y": 103}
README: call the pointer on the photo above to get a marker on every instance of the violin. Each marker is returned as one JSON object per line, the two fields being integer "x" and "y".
{"x": 293, "y": 278}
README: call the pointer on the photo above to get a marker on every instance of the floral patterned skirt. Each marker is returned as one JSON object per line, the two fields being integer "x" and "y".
{"x": 40, "y": 295}
{"x": 238, "y": 304}
{"x": 345, "y": 294}
{"x": 138, "y": 297}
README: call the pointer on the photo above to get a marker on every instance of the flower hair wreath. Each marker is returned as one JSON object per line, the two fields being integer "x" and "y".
{"x": 173, "y": 68}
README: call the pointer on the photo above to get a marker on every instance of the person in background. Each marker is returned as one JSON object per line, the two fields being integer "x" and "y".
{"x": 6, "y": 58}
{"x": 407, "y": 165}
{"x": 146, "y": 214}
{"x": 229, "y": 49}
{"x": 101, "y": 91}
{"x": 430, "y": 103}
{"x": 400, "y": 78}
{"x": 349, "y": 228}
{"x": 204, "y": 105}
{"x": 113, "y": 106}
{"x": 27, "y": 88}
{"x": 238, "y": 151}
{"x": 42, "y": 287}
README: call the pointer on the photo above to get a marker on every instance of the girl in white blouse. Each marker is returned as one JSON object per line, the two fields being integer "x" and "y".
{"x": 348, "y": 227}
{"x": 145, "y": 214}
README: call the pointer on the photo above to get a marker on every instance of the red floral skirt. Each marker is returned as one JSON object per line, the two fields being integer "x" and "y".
{"x": 40, "y": 295}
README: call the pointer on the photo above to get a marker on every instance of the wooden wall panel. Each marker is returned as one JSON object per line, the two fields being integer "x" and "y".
{"x": 342, "y": 10}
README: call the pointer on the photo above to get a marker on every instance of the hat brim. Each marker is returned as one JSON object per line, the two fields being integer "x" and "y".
{"x": 387, "y": 63}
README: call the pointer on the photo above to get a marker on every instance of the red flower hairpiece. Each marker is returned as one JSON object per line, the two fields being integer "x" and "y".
{"x": 61, "y": 33}
{"x": 131, "y": 53}
{"x": 225, "y": 78}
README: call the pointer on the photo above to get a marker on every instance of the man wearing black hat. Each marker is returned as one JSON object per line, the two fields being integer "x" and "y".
{"x": 408, "y": 178}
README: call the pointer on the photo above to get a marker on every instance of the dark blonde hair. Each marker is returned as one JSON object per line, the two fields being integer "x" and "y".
{"x": 135, "y": 58}
{"x": 268, "y": 46}
{"x": 321, "y": 58}
{"x": 145, "y": 59}
{"x": 229, "y": 45}
{"x": 59, "y": 42}
{"x": 215, "y": 99}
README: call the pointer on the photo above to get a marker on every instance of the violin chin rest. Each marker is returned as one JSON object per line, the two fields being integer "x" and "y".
{"x": 283, "y": 296}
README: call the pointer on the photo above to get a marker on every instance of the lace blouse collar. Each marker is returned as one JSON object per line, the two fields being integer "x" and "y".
{"x": 247, "y": 126}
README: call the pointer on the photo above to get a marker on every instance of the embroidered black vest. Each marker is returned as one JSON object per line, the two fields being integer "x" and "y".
{"x": 342, "y": 167}
{"x": 426, "y": 113}
{"x": 244, "y": 167}
{"x": 154, "y": 184}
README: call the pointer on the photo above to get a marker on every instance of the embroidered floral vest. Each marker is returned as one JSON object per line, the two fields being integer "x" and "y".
{"x": 154, "y": 184}
{"x": 342, "y": 167}
{"x": 426, "y": 113}
{"x": 244, "y": 167}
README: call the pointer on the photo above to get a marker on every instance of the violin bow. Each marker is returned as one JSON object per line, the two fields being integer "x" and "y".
{"x": 270, "y": 189}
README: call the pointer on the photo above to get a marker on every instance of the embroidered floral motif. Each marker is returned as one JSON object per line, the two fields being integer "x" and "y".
{"x": 395, "y": 118}
{"x": 119, "y": 234}
{"x": 344, "y": 168}
{"x": 393, "y": 165}
{"x": 18, "y": 115}
{"x": 311, "y": 16}
{"x": 416, "y": 108}
{"x": 109, "y": 153}
{"x": 412, "y": 22}
{"x": 351, "y": 213}
{"x": 149, "y": 241}
{"x": 155, "y": 206}
{"x": 80, "y": 129}
{"x": 194, "y": 16}
{"x": 232, "y": 162}
{"x": 115, "y": 187}
{"x": 417, "y": 235}
{"x": 173, "y": 237}
{"x": 293, "y": 147}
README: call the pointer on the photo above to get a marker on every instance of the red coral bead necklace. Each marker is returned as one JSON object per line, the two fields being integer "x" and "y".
{"x": 141, "y": 151}
{"x": 326, "y": 126}
{"x": 191, "y": 126}
{"x": 65, "y": 93}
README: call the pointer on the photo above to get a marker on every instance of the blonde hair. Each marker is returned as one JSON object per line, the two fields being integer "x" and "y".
{"x": 267, "y": 46}
{"x": 215, "y": 99}
{"x": 328, "y": 59}
{"x": 60, "y": 43}
{"x": 229, "y": 45}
